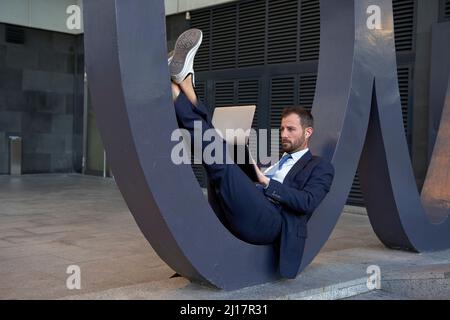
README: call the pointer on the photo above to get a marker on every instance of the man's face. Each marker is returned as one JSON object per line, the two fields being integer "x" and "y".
{"x": 293, "y": 137}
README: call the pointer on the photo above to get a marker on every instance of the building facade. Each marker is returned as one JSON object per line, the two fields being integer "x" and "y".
{"x": 262, "y": 52}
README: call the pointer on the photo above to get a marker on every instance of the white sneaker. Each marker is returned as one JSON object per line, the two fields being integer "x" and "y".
{"x": 182, "y": 62}
{"x": 170, "y": 57}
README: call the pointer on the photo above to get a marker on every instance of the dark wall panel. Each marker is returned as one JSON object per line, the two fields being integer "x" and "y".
{"x": 41, "y": 98}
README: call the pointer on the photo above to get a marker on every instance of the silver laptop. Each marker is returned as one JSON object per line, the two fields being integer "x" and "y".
{"x": 237, "y": 119}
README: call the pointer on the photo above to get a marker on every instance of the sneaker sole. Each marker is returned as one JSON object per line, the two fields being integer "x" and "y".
{"x": 185, "y": 49}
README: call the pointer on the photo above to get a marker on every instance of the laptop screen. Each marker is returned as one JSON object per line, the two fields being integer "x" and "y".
{"x": 234, "y": 123}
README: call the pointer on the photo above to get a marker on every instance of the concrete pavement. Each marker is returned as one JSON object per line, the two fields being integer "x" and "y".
{"x": 49, "y": 222}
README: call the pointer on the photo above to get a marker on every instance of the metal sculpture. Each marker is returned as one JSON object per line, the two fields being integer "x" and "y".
{"x": 126, "y": 60}
{"x": 358, "y": 111}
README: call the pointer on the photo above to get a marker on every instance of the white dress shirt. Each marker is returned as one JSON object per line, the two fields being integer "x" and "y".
{"x": 287, "y": 166}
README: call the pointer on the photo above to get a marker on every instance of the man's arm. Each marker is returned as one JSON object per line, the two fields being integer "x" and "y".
{"x": 304, "y": 201}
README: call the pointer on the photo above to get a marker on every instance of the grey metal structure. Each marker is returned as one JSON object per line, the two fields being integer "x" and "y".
{"x": 126, "y": 65}
{"x": 126, "y": 58}
{"x": 358, "y": 112}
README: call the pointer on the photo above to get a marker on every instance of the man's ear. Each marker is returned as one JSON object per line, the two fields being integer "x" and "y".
{"x": 308, "y": 132}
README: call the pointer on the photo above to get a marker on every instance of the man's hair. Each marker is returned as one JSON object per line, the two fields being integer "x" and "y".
{"x": 306, "y": 118}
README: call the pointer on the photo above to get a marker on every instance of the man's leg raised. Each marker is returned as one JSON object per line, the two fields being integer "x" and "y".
{"x": 254, "y": 218}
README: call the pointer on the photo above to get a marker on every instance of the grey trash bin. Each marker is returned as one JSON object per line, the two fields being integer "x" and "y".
{"x": 15, "y": 156}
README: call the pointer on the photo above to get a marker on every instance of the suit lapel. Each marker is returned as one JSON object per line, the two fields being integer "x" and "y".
{"x": 298, "y": 166}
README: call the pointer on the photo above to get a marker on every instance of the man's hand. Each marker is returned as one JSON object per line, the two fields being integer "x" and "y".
{"x": 261, "y": 177}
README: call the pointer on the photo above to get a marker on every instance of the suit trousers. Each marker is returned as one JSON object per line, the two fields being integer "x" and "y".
{"x": 253, "y": 217}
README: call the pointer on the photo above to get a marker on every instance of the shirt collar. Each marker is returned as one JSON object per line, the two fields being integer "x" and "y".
{"x": 297, "y": 155}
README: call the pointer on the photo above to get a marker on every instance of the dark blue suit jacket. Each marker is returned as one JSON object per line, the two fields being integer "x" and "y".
{"x": 299, "y": 195}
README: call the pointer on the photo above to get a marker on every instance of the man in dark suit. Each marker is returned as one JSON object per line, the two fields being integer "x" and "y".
{"x": 276, "y": 210}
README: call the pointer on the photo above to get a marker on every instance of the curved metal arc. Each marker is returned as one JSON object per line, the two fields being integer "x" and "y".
{"x": 344, "y": 91}
{"x": 394, "y": 205}
{"x": 129, "y": 56}
{"x": 115, "y": 122}
{"x": 414, "y": 230}
{"x": 369, "y": 92}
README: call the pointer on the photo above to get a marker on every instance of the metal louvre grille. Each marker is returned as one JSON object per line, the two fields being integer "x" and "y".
{"x": 282, "y": 31}
{"x": 282, "y": 94}
{"x": 199, "y": 172}
{"x": 445, "y": 10}
{"x": 404, "y": 17}
{"x": 256, "y": 20}
{"x": 224, "y": 37}
{"x": 202, "y": 20}
{"x": 248, "y": 95}
{"x": 14, "y": 34}
{"x": 245, "y": 44}
{"x": 252, "y": 33}
{"x": 309, "y": 30}
{"x": 307, "y": 90}
{"x": 200, "y": 89}
{"x": 224, "y": 93}
{"x": 404, "y": 80}
{"x": 355, "y": 196}
{"x": 249, "y": 33}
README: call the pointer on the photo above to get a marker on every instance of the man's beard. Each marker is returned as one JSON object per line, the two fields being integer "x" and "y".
{"x": 290, "y": 147}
